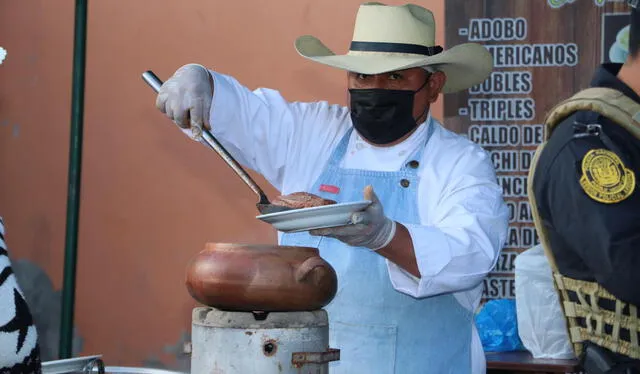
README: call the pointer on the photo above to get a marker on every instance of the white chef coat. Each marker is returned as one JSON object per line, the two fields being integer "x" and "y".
{"x": 464, "y": 219}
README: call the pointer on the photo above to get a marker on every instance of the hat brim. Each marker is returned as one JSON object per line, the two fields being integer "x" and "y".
{"x": 465, "y": 65}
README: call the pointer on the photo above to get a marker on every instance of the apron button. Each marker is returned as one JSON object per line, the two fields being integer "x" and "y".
{"x": 413, "y": 164}
{"x": 404, "y": 183}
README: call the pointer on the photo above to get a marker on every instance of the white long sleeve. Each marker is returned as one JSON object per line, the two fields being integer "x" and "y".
{"x": 278, "y": 139}
{"x": 464, "y": 219}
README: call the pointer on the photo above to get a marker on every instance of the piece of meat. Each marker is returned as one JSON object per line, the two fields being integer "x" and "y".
{"x": 299, "y": 200}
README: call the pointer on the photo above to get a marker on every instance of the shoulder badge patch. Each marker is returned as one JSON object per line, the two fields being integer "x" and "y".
{"x": 605, "y": 178}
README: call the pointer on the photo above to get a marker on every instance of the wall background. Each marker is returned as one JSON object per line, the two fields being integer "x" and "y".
{"x": 151, "y": 198}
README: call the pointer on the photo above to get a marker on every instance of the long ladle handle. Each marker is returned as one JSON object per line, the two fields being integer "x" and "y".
{"x": 155, "y": 83}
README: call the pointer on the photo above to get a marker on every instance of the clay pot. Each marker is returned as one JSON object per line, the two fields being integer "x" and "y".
{"x": 268, "y": 278}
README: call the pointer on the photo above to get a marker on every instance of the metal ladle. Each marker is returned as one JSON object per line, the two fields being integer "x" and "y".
{"x": 264, "y": 205}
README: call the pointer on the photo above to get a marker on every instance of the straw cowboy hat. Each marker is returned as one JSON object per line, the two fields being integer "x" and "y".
{"x": 389, "y": 38}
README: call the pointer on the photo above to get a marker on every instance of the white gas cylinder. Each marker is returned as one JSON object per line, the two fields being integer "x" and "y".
{"x": 224, "y": 342}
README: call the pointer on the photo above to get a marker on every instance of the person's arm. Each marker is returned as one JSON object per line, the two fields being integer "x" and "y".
{"x": 598, "y": 219}
{"x": 260, "y": 128}
{"x": 458, "y": 247}
{"x": 466, "y": 232}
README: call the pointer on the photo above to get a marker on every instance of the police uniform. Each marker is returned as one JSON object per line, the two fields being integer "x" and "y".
{"x": 583, "y": 189}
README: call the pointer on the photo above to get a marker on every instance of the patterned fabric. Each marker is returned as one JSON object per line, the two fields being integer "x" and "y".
{"x": 19, "y": 349}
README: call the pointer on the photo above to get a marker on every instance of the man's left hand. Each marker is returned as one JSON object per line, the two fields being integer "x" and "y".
{"x": 370, "y": 228}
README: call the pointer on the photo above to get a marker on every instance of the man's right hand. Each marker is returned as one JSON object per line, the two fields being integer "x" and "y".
{"x": 186, "y": 98}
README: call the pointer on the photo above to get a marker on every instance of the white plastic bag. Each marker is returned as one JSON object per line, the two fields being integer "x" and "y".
{"x": 541, "y": 325}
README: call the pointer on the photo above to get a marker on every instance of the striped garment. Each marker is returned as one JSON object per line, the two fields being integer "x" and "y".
{"x": 19, "y": 349}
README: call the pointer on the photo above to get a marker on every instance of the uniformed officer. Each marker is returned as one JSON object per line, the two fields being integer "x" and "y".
{"x": 583, "y": 190}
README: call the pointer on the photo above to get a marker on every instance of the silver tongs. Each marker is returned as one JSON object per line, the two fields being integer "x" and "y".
{"x": 264, "y": 205}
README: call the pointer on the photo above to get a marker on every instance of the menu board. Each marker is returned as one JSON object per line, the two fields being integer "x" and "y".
{"x": 543, "y": 51}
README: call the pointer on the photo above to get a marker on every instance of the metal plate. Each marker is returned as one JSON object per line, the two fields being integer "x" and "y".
{"x": 70, "y": 365}
{"x": 136, "y": 370}
{"x": 314, "y": 218}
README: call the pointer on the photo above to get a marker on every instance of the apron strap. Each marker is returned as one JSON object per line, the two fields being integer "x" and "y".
{"x": 338, "y": 154}
{"x": 417, "y": 154}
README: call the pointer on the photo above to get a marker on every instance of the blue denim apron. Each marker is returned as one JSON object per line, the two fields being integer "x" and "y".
{"x": 378, "y": 329}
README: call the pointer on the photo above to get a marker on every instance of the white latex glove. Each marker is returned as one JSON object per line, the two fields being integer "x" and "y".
{"x": 370, "y": 228}
{"x": 186, "y": 98}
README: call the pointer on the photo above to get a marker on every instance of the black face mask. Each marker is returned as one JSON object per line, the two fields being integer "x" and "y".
{"x": 383, "y": 116}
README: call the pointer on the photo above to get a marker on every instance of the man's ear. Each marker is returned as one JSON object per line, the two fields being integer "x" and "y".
{"x": 435, "y": 84}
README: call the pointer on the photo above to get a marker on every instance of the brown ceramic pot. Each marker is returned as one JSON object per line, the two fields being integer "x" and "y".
{"x": 268, "y": 278}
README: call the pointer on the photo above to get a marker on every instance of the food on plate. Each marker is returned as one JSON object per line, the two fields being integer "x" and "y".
{"x": 299, "y": 200}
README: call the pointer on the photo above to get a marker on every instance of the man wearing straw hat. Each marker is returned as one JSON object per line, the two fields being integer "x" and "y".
{"x": 586, "y": 205}
{"x": 410, "y": 267}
